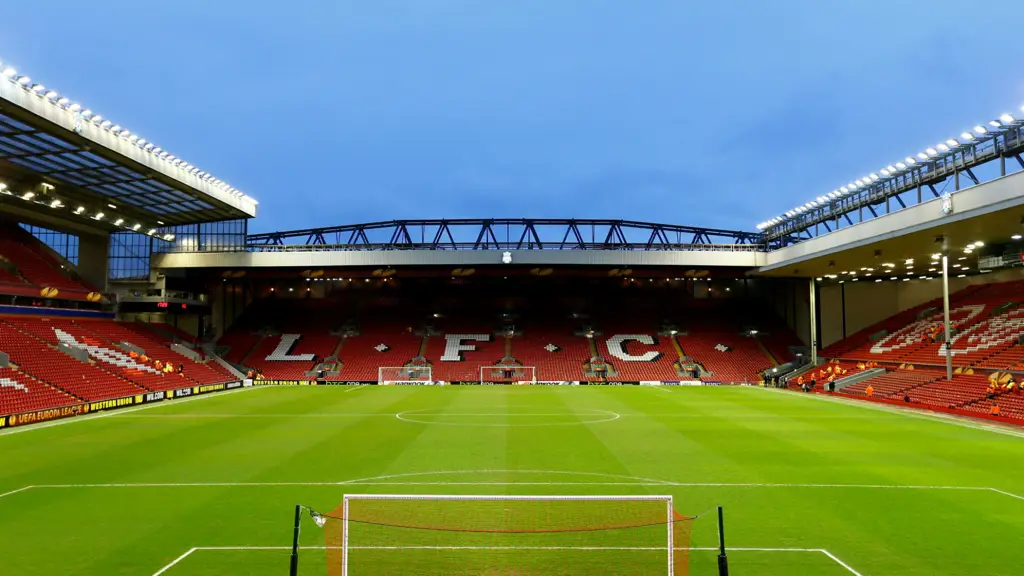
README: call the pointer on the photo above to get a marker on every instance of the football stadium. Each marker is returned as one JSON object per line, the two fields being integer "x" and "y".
{"x": 836, "y": 391}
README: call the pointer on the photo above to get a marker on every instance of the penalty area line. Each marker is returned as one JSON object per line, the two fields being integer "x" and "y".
{"x": 188, "y": 553}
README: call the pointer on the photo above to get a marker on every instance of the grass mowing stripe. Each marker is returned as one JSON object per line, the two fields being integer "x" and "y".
{"x": 909, "y": 412}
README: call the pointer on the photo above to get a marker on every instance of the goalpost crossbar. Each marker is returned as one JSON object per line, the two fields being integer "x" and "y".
{"x": 433, "y": 534}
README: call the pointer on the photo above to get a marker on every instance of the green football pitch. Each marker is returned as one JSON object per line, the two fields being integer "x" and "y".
{"x": 809, "y": 486}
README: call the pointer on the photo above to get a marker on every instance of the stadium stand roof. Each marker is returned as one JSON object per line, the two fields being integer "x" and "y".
{"x": 915, "y": 179}
{"x": 502, "y": 234}
{"x": 57, "y": 153}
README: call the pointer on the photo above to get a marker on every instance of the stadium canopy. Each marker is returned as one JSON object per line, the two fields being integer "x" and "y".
{"x": 61, "y": 156}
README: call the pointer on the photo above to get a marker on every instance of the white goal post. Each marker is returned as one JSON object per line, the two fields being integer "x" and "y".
{"x": 508, "y": 374}
{"x": 435, "y": 535}
{"x": 397, "y": 375}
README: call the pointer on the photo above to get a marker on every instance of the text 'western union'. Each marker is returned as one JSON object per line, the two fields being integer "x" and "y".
{"x": 112, "y": 403}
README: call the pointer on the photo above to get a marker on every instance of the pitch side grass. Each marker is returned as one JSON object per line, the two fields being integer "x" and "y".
{"x": 809, "y": 486}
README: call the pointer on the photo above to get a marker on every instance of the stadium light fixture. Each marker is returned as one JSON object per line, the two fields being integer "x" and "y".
{"x": 885, "y": 172}
{"x": 99, "y": 216}
{"x": 1007, "y": 119}
{"x": 80, "y": 209}
{"x": 136, "y": 227}
{"x": 979, "y": 129}
{"x": 961, "y": 275}
{"x": 936, "y": 256}
{"x": 968, "y": 136}
{"x": 943, "y": 147}
{"x": 894, "y": 278}
{"x": 119, "y": 221}
{"x": 169, "y": 237}
{"x": 24, "y": 81}
{"x": 932, "y": 152}
{"x": 56, "y": 204}
{"x": 10, "y": 72}
{"x": 38, "y": 88}
{"x": 910, "y": 160}
{"x": 901, "y": 165}
{"x": 28, "y": 195}
{"x": 51, "y": 95}
{"x": 151, "y": 231}
{"x": 952, "y": 143}
{"x": 1015, "y": 237}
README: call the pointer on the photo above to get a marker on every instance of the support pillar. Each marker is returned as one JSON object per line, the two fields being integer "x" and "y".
{"x": 814, "y": 322}
{"x": 945, "y": 315}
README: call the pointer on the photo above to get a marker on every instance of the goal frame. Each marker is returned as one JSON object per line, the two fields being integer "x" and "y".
{"x": 669, "y": 518}
{"x": 382, "y": 381}
{"x": 532, "y": 379}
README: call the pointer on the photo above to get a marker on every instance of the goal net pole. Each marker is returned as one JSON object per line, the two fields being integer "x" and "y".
{"x": 723, "y": 561}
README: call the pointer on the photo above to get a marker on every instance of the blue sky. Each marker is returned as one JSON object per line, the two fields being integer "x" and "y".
{"x": 721, "y": 114}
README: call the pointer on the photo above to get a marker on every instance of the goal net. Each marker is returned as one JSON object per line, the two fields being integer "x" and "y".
{"x": 391, "y": 375}
{"x": 423, "y": 535}
{"x": 508, "y": 374}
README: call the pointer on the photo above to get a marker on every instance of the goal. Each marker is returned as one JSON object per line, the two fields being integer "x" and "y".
{"x": 508, "y": 374}
{"x": 429, "y": 535}
{"x": 391, "y": 375}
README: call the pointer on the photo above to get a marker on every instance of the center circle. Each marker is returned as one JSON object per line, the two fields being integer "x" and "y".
{"x": 506, "y": 419}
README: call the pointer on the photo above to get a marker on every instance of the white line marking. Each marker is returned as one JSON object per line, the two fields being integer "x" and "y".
{"x": 1010, "y": 494}
{"x": 16, "y": 491}
{"x": 828, "y": 554}
{"x": 109, "y": 413}
{"x": 909, "y": 412}
{"x": 601, "y": 415}
{"x": 840, "y": 562}
{"x": 356, "y": 388}
{"x": 176, "y": 560}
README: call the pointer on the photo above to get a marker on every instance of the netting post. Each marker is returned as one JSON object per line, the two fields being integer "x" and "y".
{"x": 723, "y": 561}
{"x": 294, "y": 569}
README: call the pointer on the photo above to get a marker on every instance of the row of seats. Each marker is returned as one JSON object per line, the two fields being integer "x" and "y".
{"x": 33, "y": 262}
{"x": 557, "y": 353}
{"x": 22, "y": 393}
{"x": 44, "y": 377}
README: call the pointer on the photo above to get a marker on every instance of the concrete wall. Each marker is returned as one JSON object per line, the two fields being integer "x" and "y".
{"x": 94, "y": 259}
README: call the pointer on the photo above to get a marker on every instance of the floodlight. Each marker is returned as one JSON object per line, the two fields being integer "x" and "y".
{"x": 55, "y": 204}
{"x": 885, "y": 172}
{"x": 980, "y": 129}
{"x": 119, "y": 221}
{"x": 1006, "y": 119}
{"x": 151, "y": 231}
{"x": 80, "y": 209}
{"x": 99, "y": 216}
{"x": 874, "y": 177}
{"x": 38, "y": 88}
{"x": 10, "y": 72}
{"x": 901, "y": 165}
{"x": 995, "y": 124}
{"x": 28, "y": 195}
{"x": 932, "y": 152}
{"x": 136, "y": 227}
{"x": 75, "y": 107}
{"x": 952, "y": 143}
{"x": 106, "y": 124}
{"x": 51, "y": 95}
{"x": 168, "y": 237}
{"x": 943, "y": 148}
{"x": 1015, "y": 237}
{"x": 63, "y": 102}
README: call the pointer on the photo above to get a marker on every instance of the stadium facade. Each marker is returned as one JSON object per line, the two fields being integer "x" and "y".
{"x": 122, "y": 260}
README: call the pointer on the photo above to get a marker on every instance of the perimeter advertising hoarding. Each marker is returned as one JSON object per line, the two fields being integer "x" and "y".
{"x": 109, "y": 404}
